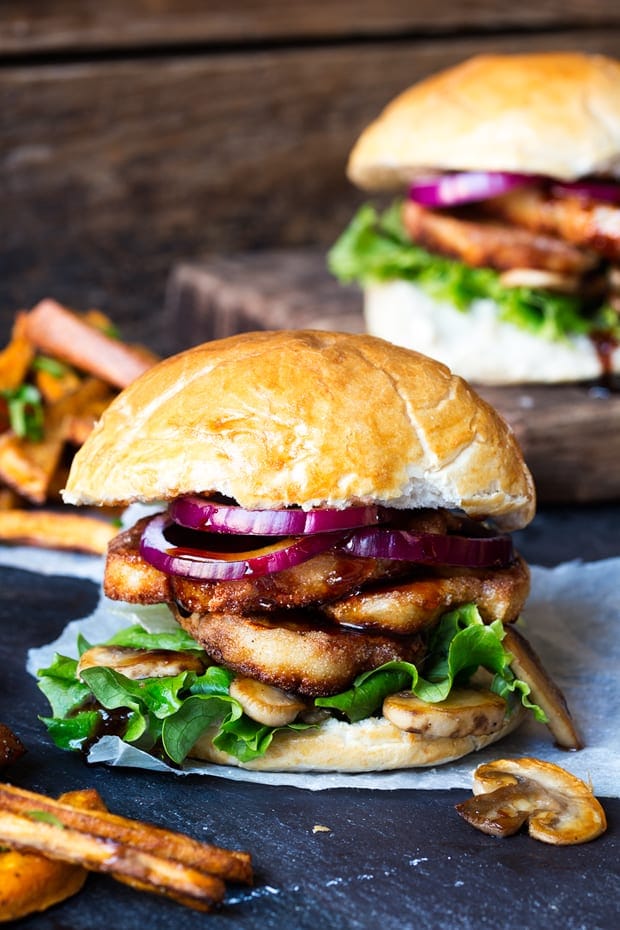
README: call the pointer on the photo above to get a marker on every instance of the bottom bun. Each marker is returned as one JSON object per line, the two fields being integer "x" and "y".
{"x": 475, "y": 343}
{"x": 371, "y": 745}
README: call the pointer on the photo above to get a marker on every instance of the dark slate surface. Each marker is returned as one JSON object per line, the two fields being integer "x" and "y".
{"x": 391, "y": 858}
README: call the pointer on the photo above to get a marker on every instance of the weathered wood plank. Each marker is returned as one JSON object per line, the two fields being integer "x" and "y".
{"x": 112, "y": 171}
{"x": 570, "y": 434}
{"x": 28, "y": 26}
{"x": 274, "y": 289}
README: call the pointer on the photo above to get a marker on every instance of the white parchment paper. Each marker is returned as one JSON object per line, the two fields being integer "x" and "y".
{"x": 572, "y": 620}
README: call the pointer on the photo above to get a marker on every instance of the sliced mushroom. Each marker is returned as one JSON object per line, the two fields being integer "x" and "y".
{"x": 558, "y": 807}
{"x": 544, "y": 692}
{"x": 141, "y": 663}
{"x": 264, "y": 703}
{"x": 539, "y": 278}
{"x": 465, "y": 712}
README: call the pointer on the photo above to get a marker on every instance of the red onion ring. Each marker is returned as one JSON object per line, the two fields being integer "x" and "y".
{"x": 431, "y": 548}
{"x": 199, "y": 513}
{"x": 226, "y": 563}
{"x": 606, "y": 191}
{"x": 449, "y": 190}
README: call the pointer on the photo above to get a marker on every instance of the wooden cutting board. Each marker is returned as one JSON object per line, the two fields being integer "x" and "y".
{"x": 570, "y": 434}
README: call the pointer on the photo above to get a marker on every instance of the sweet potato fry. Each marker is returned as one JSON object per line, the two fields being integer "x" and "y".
{"x": 16, "y": 358}
{"x": 56, "y": 530}
{"x": 27, "y": 466}
{"x": 79, "y": 428}
{"x": 141, "y": 855}
{"x": 99, "y": 320}
{"x": 75, "y": 414}
{"x": 8, "y": 499}
{"x": 60, "y": 333}
{"x": 53, "y": 387}
{"x": 30, "y": 882}
{"x": 228, "y": 864}
{"x": 58, "y": 373}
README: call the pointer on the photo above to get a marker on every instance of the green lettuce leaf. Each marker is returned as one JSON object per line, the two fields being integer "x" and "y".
{"x": 172, "y": 711}
{"x": 198, "y": 713}
{"x": 71, "y": 732}
{"x": 461, "y": 644}
{"x": 61, "y": 686}
{"x": 376, "y": 248}
{"x": 138, "y": 638}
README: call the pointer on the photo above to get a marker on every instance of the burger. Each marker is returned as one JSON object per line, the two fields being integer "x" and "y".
{"x": 330, "y": 541}
{"x": 500, "y": 255}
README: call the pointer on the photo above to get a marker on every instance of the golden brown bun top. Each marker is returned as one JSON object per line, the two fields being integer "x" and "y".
{"x": 556, "y": 114}
{"x": 275, "y": 419}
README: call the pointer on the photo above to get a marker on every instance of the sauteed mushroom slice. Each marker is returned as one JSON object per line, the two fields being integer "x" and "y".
{"x": 140, "y": 663}
{"x": 558, "y": 807}
{"x": 544, "y": 692}
{"x": 464, "y": 712}
{"x": 267, "y": 705}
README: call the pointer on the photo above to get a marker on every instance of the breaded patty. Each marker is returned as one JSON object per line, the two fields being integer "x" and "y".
{"x": 294, "y": 653}
{"x": 326, "y": 577}
{"x": 489, "y": 244}
{"x": 344, "y": 589}
{"x": 415, "y": 605}
{"x": 314, "y": 627}
{"x": 584, "y": 223}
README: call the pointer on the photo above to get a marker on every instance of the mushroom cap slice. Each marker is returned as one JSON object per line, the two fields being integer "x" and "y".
{"x": 558, "y": 807}
{"x": 140, "y": 663}
{"x": 464, "y": 712}
{"x": 267, "y": 705}
{"x": 526, "y": 665}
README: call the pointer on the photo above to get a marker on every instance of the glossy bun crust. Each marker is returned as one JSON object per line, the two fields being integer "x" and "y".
{"x": 275, "y": 419}
{"x": 554, "y": 113}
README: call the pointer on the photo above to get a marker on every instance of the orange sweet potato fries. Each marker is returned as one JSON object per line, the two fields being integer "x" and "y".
{"x": 62, "y": 840}
{"x": 57, "y": 374}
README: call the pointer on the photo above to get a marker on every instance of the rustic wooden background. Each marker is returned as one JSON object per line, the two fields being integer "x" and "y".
{"x": 135, "y": 135}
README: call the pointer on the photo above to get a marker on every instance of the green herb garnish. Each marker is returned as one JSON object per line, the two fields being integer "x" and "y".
{"x": 45, "y": 817}
{"x": 25, "y": 407}
{"x": 50, "y": 365}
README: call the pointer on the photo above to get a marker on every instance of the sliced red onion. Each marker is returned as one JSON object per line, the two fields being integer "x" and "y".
{"x": 430, "y": 548}
{"x": 199, "y": 513}
{"x": 178, "y": 551}
{"x": 449, "y": 190}
{"x": 589, "y": 190}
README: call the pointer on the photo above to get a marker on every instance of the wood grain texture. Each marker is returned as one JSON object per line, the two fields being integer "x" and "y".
{"x": 113, "y": 171}
{"x": 570, "y": 434}
{"x": 259, "y": 290}
{"x": 28, "y": 26}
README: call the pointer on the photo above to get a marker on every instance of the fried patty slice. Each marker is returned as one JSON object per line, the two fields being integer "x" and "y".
{"x": 492, "y": 244}
{"x": 370, "y": 594}
{"x": 416, "y": 605}
{"x": 588, "y": 224}
{"x": 293, "y": 653}
{"x": 324, "y": 578}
